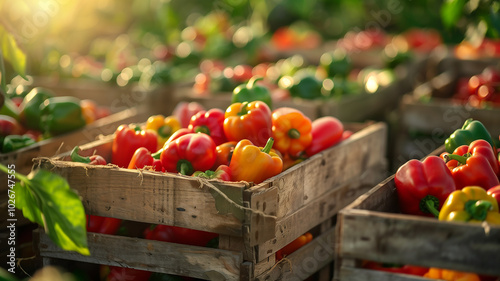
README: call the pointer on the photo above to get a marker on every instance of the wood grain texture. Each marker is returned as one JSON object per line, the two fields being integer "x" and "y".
{"x": 156, "y": 256}
{"x": 385, "y": 236}
{"x": 305, "y": 261}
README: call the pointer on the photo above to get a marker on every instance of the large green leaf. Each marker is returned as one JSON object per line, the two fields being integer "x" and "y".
{"x": 11, "y": 52}
{"x": 452, "y": 11}
{"x": 47, "y": 199}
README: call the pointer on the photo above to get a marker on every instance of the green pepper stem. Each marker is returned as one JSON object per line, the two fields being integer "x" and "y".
{"x": 202, "y": 129}
{"x": 252, "y": 81}
{"x": 478, "y": 209}
{"x": 461, "y": 159}
{"x": 165, "y": 131}
{"x": 466, "y": 123}
{"x": 185, "y": 167}
{"x": 269, "y": 145}
{"x": 244, "y": 110}
{"x": 75, "y": 157}
{"x": 430, "y": 204}
{"x": 157, "y": 154}
{"x": 294, "y": 133}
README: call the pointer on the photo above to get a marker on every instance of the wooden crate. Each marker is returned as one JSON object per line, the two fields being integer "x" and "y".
{"x": 253, "y": 221}
{"x": 23, "y": 158}
{"x": 372, "y": 228}
{"x": 351, "y": 108}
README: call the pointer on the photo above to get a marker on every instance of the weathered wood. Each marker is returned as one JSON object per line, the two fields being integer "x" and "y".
{"x": 323, "y": 208}
{"x": 305, "y": 261}
{"x": 357, "y": 274}
{"x": 371, "y": 229}
{"x": 156, "y": 256}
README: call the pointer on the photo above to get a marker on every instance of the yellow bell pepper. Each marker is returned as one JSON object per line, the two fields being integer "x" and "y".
{"x": 451, "y": 275}
{"x": 254, "y": 164}
{"x": 164, "y": 126}
{"x": 471, "y": 204}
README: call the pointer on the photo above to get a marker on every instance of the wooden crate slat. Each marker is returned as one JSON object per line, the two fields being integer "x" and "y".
{"x": 305, "y": 261}
{"x": 151, "y": 255}
{"x": 323, "y": 208}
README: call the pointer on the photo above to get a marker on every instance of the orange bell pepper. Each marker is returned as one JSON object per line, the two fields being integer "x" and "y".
{"x": 251, "y": 121}
{"x": 451, "y": 275}
{"x": 294, "y": 245}
{"x": 254, "y": 164}
{"x": 291, "y": 130}
{"x": 163, "y": 126}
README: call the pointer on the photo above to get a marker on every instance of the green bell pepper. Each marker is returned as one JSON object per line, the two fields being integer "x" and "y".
{"x": 307, "y": 87}
{"x": 251, "y": 92}
{"x": 14, "y": 142}
{"x": 336, "y": 64}
{"x": 30, "y": 108}
{"x": 471, "y": 130}
{"x": 61, "y": 115}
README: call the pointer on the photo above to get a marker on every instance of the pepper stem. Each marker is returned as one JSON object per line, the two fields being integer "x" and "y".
{"x": 243, "y": 110}
{"x": 268, "y": 146}
{"x": 165, "y": 131}
{"x": 185, "y": 167}
{"x": 294, "y": 133}
{"x": 466, "y": 123}
{"x": 157, "y": 154}
{"x": 202, "y": 129}
{"x": 430, "y": 204}
{"x": 461, "y": 159}
{"x": 252, "y": 81}
{"x": 478, "y": 209}
{"x": 75, "y": 157}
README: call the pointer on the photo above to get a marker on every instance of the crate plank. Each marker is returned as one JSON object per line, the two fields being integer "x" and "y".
{"x": 151, "y": 255}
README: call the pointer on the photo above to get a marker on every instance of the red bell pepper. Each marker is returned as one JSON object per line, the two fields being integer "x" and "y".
{"x": 477, "y": 165}
{"x": 123, "y": 273}
{"x": 248, "y": 120}
{"x": 221, "y": 173}
{"x": 189, "y": 153}
{"x": 423, "y": 186}
{"x": 495, "y": 192}
{"x": 180, "y": 235}
{"x": 142, "y": 157}
{"x": 160, "y": 232}
{"x": 179, "y": 133}
{"x": 211, "y": 123}
{"x": 9, "y": 126}
{"x": 326, "y": 132}
{"x": 103, "y": 225}
{"x": 396, "y": 268}
{"x": 185, "y": 110}
{"x": 128, "y": 138}
{"x": 92, "y": 160}
{"x": 224, "y": 153}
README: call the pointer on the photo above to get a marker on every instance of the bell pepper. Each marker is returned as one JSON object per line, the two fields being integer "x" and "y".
{"x": 160, "y": 232}
{"x": 495, "y": 193}
{"x": 163, "y": 126}
{"x": 395, "y": 268}
{"x": 294, "y": 245}
{"x": 307, "y": 87}
{"x": 209, "y": 122}
{"x": 181, "y": 235}
{"x": 326, "y": 132}
{"x": 253, "y": 164}
{"x": 471, "y": 204}
{"x": 451, "y": 275}
{"x": 61, "y": 115}
{"x": 471, "y": 130}
{"x": 224, "y": 152}
{"x": 423, "y": 187}
{"x": 15, "y": 142}
{"x": 251, "y": 92}
{"x": 128, "y": 138}
{"x": 9, "y": 126}
{"x": 10, "y": 108}
{"x": 115, "y": 273}
{"x": 476, "y": 165}
{"x": 291, "y": 130}
{"x": 30, "y": 109}
{"x": 89, "y": 110}
{"x": 189, "y": 153}
{"x": 142, "y": 157}
{"x": 221, "y": 173}
{"x": 92, "y": 160}
{"x": 177, "y": 134}
{"x": 103, "y": 225}
{"x": 250, "y": 121}
{"x": 183, "y": 111}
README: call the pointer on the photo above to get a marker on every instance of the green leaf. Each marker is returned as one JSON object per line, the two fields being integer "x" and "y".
{"x": 11, "y": 52}
{"x": 451, "y": 11}
{"x": 47, "y": 199}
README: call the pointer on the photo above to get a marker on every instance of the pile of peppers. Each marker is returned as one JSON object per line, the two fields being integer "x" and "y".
{"x": 247, "y": 142}
{"x": 27, "y": 117}
{"x": 462, "y": 184}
